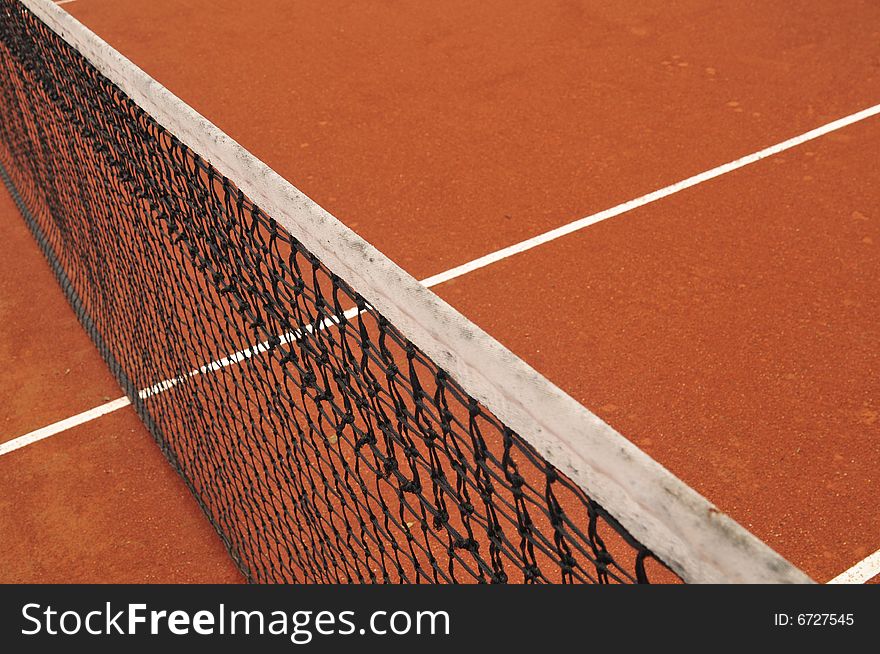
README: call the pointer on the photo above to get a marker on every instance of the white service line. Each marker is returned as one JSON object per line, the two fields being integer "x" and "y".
{"x": 241, "y": 355}
{"x": 861, "y": 572}
{"x": 62, "y": 425}
{"x": 161, "y": 387}
{"x": 463, "y": 269}
{"x": 581, "y": 223}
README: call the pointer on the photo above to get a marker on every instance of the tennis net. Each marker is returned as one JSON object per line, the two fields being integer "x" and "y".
{"x": 335, "y": 420}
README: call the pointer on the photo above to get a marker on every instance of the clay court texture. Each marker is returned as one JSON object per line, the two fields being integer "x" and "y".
{"x": 669, "y": 210}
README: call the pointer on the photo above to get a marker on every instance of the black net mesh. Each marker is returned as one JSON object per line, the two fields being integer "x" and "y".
{"x": 320, "y": 442}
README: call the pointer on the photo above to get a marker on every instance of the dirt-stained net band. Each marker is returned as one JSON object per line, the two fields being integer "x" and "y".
{"x": 335, "y": 420}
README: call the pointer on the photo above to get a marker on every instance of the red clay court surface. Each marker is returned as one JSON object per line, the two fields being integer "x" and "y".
{"x": 730, "y": 330}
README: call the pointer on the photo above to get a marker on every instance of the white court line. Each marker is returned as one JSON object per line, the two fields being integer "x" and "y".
{"x": 62, "y": 425}
{"x": 465, "y": 268}
{"x": 241, "y": 355}
{"x": 553, "y": 234}
{"x": 861, "y": 572}
{"x": 63, "y": 2}
{"x": 161, "y": 387}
